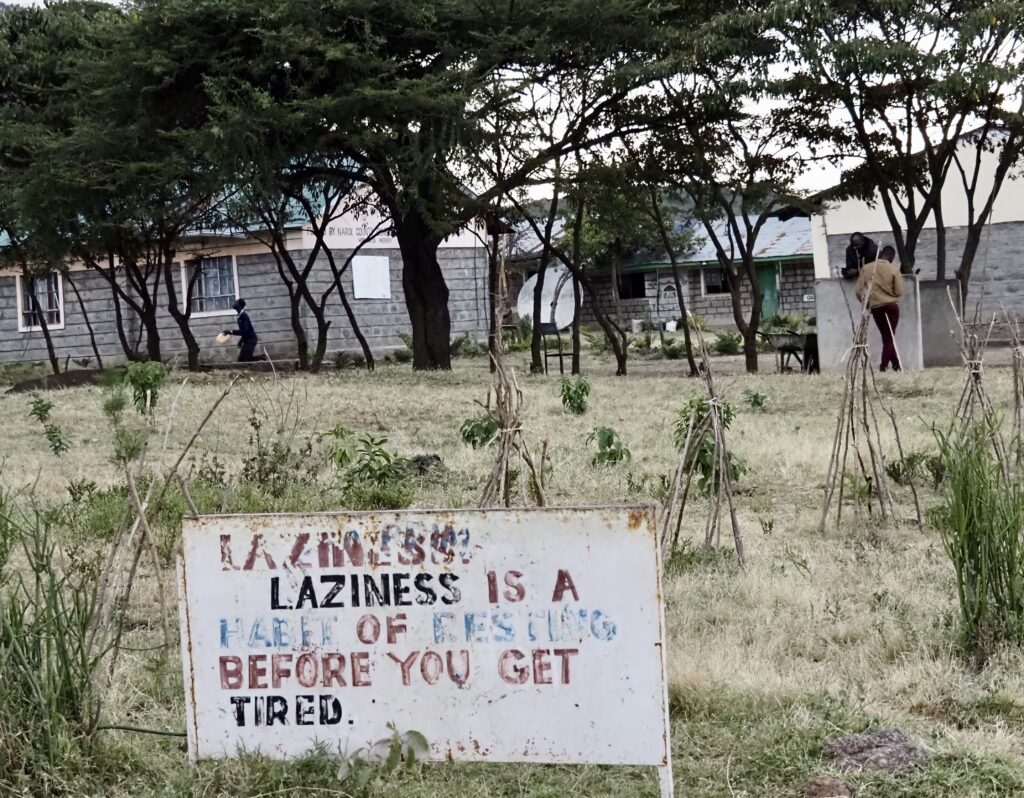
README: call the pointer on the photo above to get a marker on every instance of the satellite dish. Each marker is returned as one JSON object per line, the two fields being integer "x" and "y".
{"x": 557, "y": 298}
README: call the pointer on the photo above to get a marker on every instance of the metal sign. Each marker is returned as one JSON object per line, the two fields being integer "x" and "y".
{"x": 500, "y": 635}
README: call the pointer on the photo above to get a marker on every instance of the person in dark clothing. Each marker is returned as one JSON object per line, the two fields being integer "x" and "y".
{"x": 246, "y": 332}
{"x": 861, "y": 250}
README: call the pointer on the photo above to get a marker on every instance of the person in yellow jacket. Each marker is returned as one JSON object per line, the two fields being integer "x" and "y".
{"x": 881, "y": 282}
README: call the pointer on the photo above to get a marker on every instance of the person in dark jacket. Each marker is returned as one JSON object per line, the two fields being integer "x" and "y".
{"x": 246, "y": 332}
{"x": 861, "y": 250}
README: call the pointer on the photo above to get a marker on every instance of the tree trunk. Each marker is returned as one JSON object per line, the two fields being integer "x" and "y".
{"x": 149, "y": 322}
{"x": 683, "y": 319}
{"x": 492, "y": 301}
{"x": 181, "y": 318}
{"x": 747, "y": 327}
{"x": 353, "y": 323}
{"x": 536, "y": 359}
{"x": 88, "y": 323}
{"x": 426, "y": 294}
{"x": 37, "y": 309}
{"x": 940, "y": 244}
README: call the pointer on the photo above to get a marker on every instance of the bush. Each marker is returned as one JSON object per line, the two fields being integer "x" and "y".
{"x": 145, "y": 379}
{"x": 756, "y": 400}
{"x": 914, "y": 466}
{"x": 981, "y": 520}
{"x": 480, "y": 431}
{"x": 727, "y": 343}
{"x": 610, "y": 448}
{"x": 702, "y": 441}
{"x": 376, "y": 479}
{"x": 574, "y": 394}
{"x": 674, "y": 349}
{"x": 343, "y": 359}
{"x": 402, "y": 355}
{"x": 697, "y": 322}
{"x": 50, "y": 706}
{"x": 464, "y": 346}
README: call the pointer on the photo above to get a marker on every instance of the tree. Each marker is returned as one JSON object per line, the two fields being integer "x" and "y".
{"x": 399, "y": 89}
{"x": 909, "y": 81}
{"x": 731, "y": 154}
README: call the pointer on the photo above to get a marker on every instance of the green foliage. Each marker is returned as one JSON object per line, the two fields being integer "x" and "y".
{"x": 610, "y": 448}
{"x": 465, "y": 346}
{"x": 343, "y": 360}
{"x": 656, "y": 486}
{"x": 479, "y": 431}
{"x": 756, "y": 400}
{"x": 574, "y": 394}
{"x": 376, "y": 479}
{"x": 114, "y": 404}
{"x": 341, "y": 448}
{"x": 56, "y": 439}
{"x": 525, "y": 332}
{"x": 696, "y": 412}
{"x": 278, "y": 456}
{"x": 727, "y": 343}
{"x": 40, "y": 409}
{"x": 402, "y": 355}
{"x": 596, "y": 341}
{"x": 674, "y": 349}
{"x": 697, "y": 322}
{"x": 687, "y": 558}
{"x": 914, "y": 466}
{"x": 55, "y": 436}
{"x": 407, "y": 340}
{"x": 50, "y": 705}
{"x": 981, "y": 520}
{"x": 144, "y": 379}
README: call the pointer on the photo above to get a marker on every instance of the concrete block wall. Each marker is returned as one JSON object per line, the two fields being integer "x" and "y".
{"x": 260, "y": 284}
{"x": 997, "y": 276}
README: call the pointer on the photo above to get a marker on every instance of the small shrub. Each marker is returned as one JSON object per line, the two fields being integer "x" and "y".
{"x": 727, "y": 343}
{"x": 341, "y": 449}
{"x": 916, "y": 465}
{"x": 596, "y": 341}
{"x": 343, "y": 359}
{"x": 480, "y": 431}
{"x": 145, "y": 379}
{"x": 464, "y": 346}
{"x": 697, "y": 322}
{"x": 402, "y": 355}
{"x": 981, "y": 521}
{"x": 406, "y": 339}
{"x": 114, "y": 404}
{"x": 687, "y": 558}
{"x": 574, "y": 394}
{"x": 756, "y": 400}
{"x": 525, "y": 331}
{"x": 674, "y": 349}
{"x": 40, "y": 409}
{"x": 377, "y": 479}
{"x": 702, "y": 444}
{"x": 610, "y": 448}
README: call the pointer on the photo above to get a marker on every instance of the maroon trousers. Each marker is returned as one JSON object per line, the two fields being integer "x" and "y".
{"x": 887, "y": 317}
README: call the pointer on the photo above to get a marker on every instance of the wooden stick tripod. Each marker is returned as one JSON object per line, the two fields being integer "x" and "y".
{"x": 857, "y": 429}
{"x": 512, "y": 446}
{"x": 720, "y": 489}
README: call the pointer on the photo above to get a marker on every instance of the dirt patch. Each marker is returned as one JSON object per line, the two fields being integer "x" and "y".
{"x": 57, "y": 382}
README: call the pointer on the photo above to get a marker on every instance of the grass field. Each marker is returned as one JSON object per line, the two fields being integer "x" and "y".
{"x": 826, "y": 633}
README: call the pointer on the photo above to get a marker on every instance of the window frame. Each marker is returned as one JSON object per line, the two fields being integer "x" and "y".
{"x": 636, "y": 278}
{"x": 704, "y": 286}
{"x": 205, "y": 314}
{"x": 20, "y": 296}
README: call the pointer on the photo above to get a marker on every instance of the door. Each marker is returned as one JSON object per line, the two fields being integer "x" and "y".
{"x": 768, "y": 280}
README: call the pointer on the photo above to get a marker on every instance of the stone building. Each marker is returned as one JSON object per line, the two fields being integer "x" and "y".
{"x": 240, "y": 266}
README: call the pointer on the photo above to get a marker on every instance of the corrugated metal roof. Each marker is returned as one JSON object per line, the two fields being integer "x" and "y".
{"x": 776, "y": 239}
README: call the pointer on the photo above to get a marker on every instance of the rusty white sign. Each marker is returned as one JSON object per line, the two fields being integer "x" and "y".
{"x": 501, "y": 635}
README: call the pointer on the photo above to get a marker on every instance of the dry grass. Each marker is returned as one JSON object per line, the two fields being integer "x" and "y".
{"x": 862, "y": 615}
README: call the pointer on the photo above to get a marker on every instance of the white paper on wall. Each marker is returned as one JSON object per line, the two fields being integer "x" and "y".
{"x": 371, "y": 277}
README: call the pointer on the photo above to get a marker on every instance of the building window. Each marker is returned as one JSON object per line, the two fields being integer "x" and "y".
{"x": 49, "y": 291}
{"x": 632, "y": 286}
{"x": 714, "y": 281}
{"x": 215, "y": 289}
